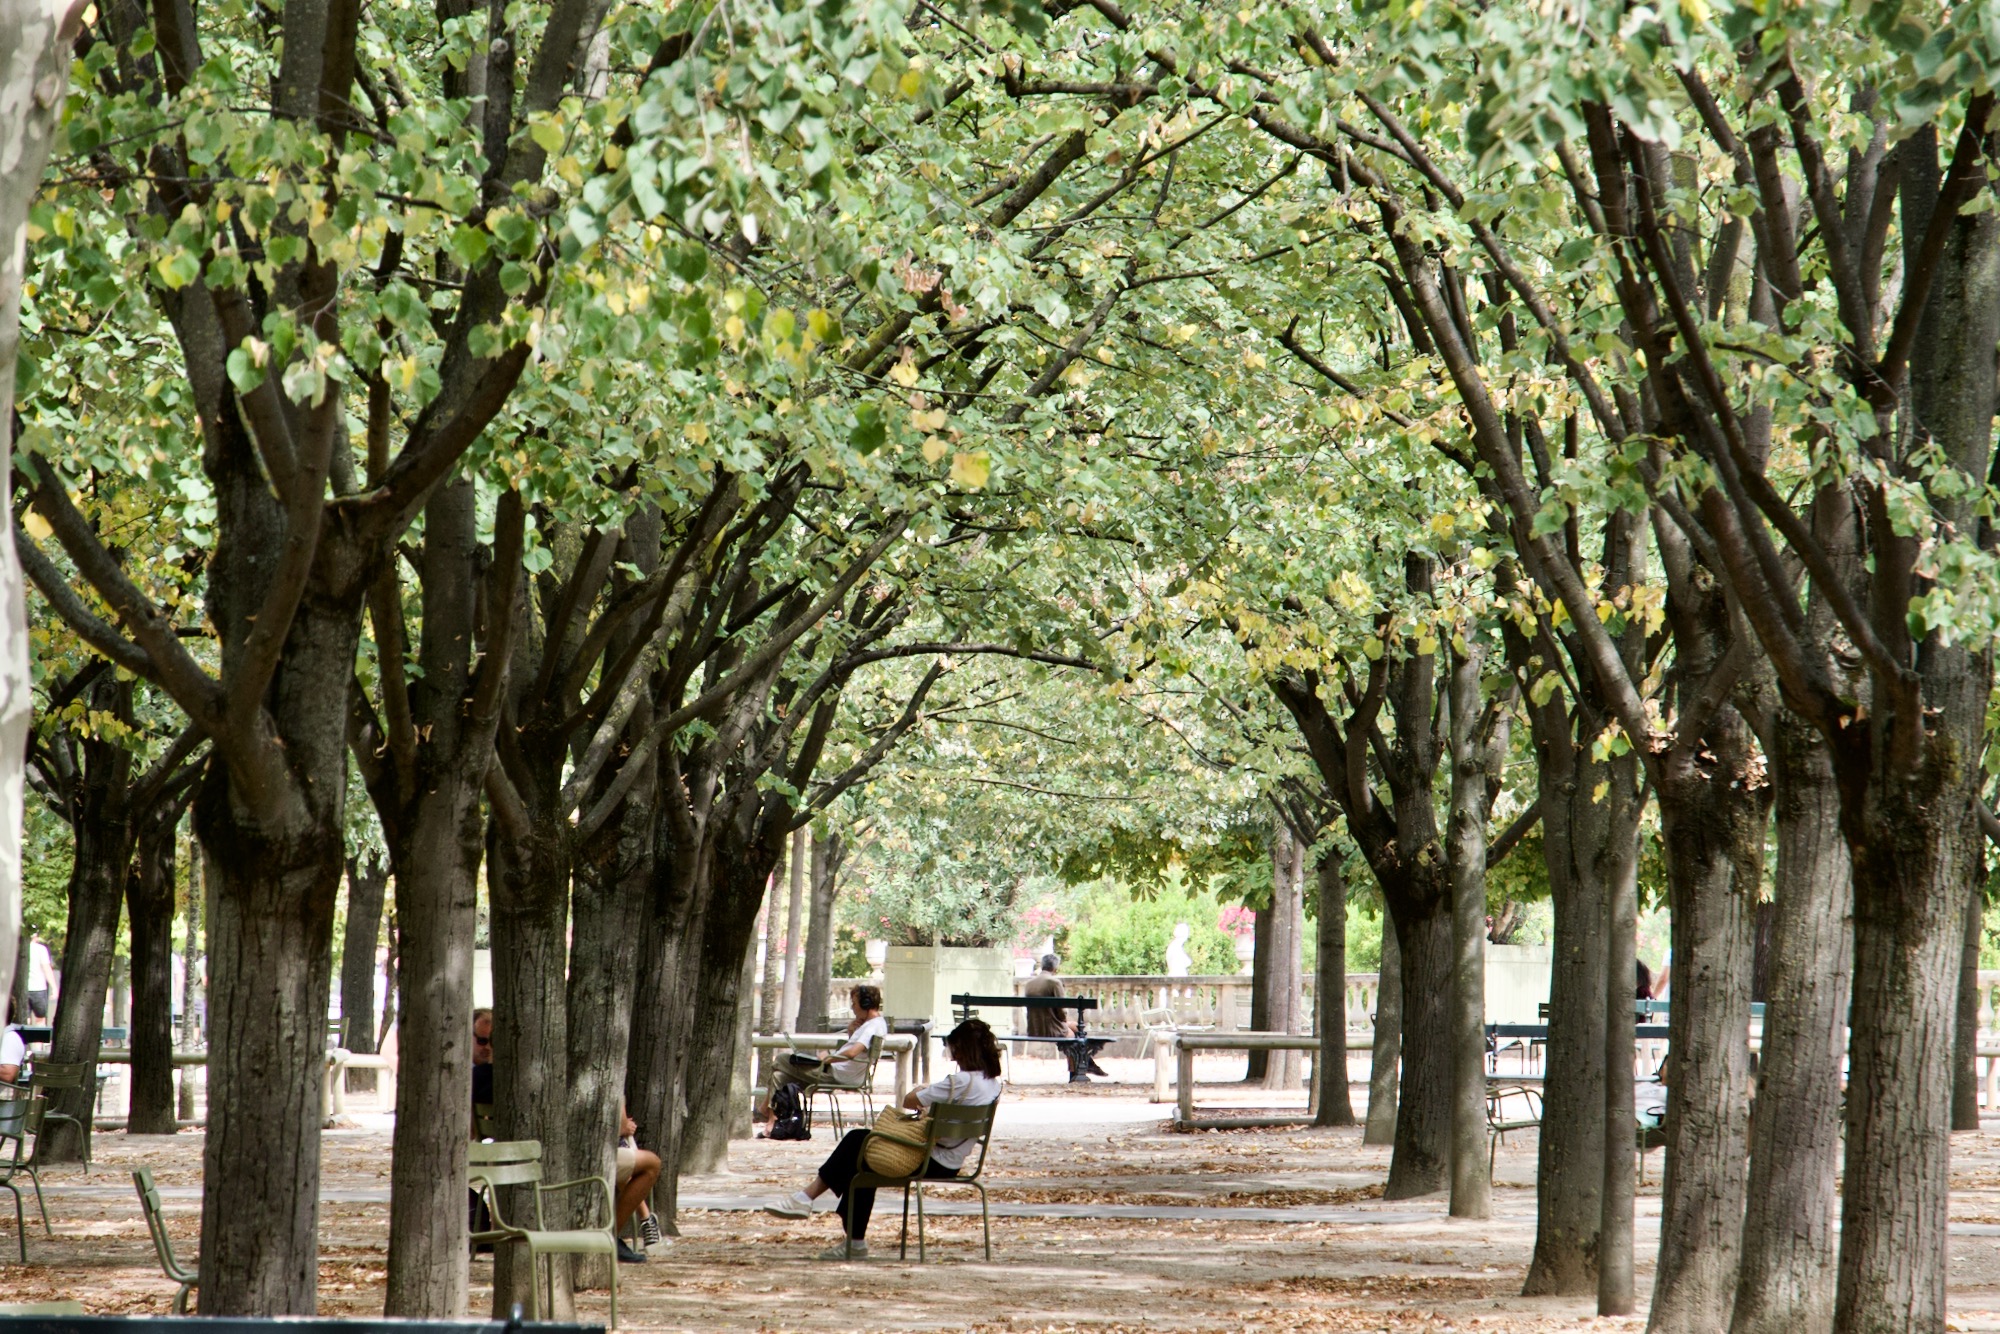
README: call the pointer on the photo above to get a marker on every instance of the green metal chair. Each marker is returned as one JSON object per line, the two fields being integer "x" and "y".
{"x": 519, "y": 1163}
{"x": 156, "y": 1223}
{"x": 21, "y": 1116}
{"x": 948, "y": 1121}
{"x": 44, "y": 1076}
{"x": 832, "y": 1088}
{"x": 483, "y": 1120}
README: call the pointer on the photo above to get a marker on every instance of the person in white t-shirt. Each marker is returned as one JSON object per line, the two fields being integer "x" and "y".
{"x": 848, "y": 1065}
{"x": 975, "y": 1083}
{"x": 13, "y": 1053}
{"x": 41, "y": 977}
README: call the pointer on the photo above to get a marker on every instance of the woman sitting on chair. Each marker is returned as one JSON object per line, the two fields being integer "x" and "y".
{"x": 975, "y": 1083}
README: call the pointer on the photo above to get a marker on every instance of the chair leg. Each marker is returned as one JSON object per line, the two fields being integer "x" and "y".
{"x": 35, "y": 1176}
{"x": 985, "y": 1221}
{"x": 20, "y": 1223}
{"x": 920, "y": 1223}
{"x": 180, "y": 1306}
{"x": 614, "y": 1292}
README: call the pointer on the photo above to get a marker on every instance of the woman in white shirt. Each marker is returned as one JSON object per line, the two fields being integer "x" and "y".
{"x": 975, "y": 1083}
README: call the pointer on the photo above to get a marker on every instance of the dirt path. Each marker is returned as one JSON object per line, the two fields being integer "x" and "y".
{"x": 1322, "y": 1251}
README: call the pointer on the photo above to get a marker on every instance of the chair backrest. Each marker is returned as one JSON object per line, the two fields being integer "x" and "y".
{"x": 482, "y": 1119}
{"x": 59, "y": 1074}
{"x": 66, "y": 1307}
{"x": 156, "y": 1223}
{"x": 20, "y": 1114}
{"x": 953, "y": 1121}
{"x": 516, "y": 1162}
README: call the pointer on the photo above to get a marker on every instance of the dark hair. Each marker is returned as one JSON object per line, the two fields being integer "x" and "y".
{"x": 971, "y": 1044}
{"x": 867, "y": 997}
{"x": 1049, "y": 963}
{"x": 1645, "y": 988}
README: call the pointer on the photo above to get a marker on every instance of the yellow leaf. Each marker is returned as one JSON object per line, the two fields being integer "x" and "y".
{"x": 911, "y": 83}
{"x": 928, "y": 421}
{"x": 1254, "y": 360}
{"x": 970, "y": 470}
{"x": 934, "y": 449}
{"x": 698, "y": 432}
{"x": 733, "y": 327}
{"x": 38, "y": 527}
{"x": 904, "y": 372}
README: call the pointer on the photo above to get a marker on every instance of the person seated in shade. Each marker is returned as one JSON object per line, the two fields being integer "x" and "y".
{"x": 847, "y": 1065}
{"x": 638, "y": 1170}
{"x": 975, "y": 1083}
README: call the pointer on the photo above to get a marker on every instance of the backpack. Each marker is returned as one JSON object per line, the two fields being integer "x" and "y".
{"x": 788, "y": 1114}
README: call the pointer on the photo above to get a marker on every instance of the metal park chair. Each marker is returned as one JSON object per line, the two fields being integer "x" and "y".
{"x": 519, "y": 1163}
{"x": 948, "y": 1121}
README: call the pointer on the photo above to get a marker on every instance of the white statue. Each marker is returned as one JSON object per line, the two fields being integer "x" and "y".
{"x": 1179, "y": 963}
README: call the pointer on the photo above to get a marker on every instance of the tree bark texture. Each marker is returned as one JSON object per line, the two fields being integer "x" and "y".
{"x": 149, "y": 898}
{"x": 1332, "y": 1105}
{"x": 1713, "y": 809}
{"x": 1263, "y": 960}
{"x": 1786, "y": 1276}
{"x": 816, "y": 973}
{"x": 1617, "y": 1289}
{"x": 1422, "y": 1160}
{"x": 1282, "y": 1070}
{"x": 191, "y": 988}
{"x": 100, "y": 820}
{"x": 770, "y": 990}
{"x": 1472, "y": 790}
{"x": 1385, "y": 1059}
{"x": 271, "y": 958}
{"x": 788, "y": 1004}
{"x": 367, "y": 890}
{"x": 1965, "y": 1034}
{"x": 663, "y": 1017}
{"x": 728, "y": 920}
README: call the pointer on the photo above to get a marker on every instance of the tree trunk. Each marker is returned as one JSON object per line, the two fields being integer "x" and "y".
{"x": 1786, "y": 1277}
{"x": 816, "y": 974}
{"x": 271, "y": 946}
{"x": 1712, "y": 827}
{"x": 1465, "y": 853}
{"x": 1617, "y": 1292}
{"x": 367, "y": 885}
{"x": 1282, "y": 1070}
{"x": 96, "y": 891}
{"x": 1388, "y": 1049}
{"x": 788, "y": 1004}
{"x": 149, "y": 892}
{"x": 34, "y": 63}
{"x": 436, "y": 861}
{"x": 1263, "y": 960}
{"x": 723, "y": 978}
{"x": 1331, "y": 1104}
{"x": 1586, "y": 845}
{"x": 1965, "y": 1033}
{"x": 662, "y": 1019}
{"x": 1422, "y": 1161}
{"x": 191, "y": 990}
{"x": 607, "y": 904}
{"x": 771, "y": 989}
{"x": 1909, "y": 902}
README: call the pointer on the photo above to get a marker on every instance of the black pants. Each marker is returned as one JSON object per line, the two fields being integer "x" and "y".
{"x": 844, "y": 1164}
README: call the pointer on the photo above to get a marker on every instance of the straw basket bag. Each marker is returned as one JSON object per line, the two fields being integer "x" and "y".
{"x": 899, "y": 1145}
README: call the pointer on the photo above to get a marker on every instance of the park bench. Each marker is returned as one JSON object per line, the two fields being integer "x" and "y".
{"x": 948, "y": 1121}
{"x": 163, "y": 1245}
{"x": 491, "y": 1166}
{"x": 1185, "y": 1045}
{"x": 1090, "y": 1046}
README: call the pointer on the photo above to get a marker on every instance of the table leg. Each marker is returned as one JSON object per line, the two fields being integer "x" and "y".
{"x": 1186, "y": 1090}
{"x": 902, "y": 1076}
{"x": 1160, "y": 1041}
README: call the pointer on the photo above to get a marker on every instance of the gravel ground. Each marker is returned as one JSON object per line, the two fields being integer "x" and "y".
{"x": 1321, "y": 1251}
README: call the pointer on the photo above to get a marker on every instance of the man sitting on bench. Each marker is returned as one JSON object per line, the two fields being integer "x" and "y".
{"x": 1054, "y": 1024}
{"x": 847, "y": 1066}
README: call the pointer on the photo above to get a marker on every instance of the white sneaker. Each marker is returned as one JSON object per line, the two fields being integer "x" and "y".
{"x": 796, "y": 1205}
{"x": 844, "y": 1250}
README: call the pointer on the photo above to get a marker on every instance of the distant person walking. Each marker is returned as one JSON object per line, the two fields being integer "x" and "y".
{"x": 41, "y": 977}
